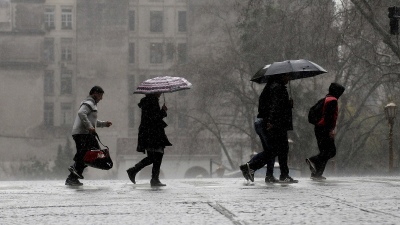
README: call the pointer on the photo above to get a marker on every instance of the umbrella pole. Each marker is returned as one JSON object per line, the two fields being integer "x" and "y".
{"x": 290, "y": 94}
{"x": 164, "y": 97}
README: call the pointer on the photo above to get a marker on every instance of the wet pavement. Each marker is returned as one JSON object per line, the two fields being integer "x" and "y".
{"x": 339, "y": 200}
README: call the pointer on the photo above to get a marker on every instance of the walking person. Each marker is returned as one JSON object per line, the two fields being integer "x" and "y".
{"x": 274, "y": 119}
{"x": 151, "y": 138}
{"x": 325, "y": 132}
{"x": 83, "y": 132}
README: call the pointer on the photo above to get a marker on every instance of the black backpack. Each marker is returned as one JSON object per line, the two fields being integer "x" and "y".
{"x": 315, "y": 112}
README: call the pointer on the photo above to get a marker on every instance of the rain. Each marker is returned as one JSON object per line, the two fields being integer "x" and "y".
{"x": 52, "y": 52}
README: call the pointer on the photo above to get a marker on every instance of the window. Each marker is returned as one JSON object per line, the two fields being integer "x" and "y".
{"x": 131, "y": 52}
{"x": 156, "y": 53}
{"x": 66, "y": 19}
{"x": 131, "y": 84}
{"x": 142, "y": 78}
{"x": 156, "y": 21}
{"x": 66, "y": 113}
{"x": 5, "y": 15}
{"x": 49, "y": 18}
{"x": 182, "y": 21}
{"x": 131, "y": 115}
{"x": 48, "y": 82}
{"x": 66, "y": 49}
{"x": 182, "y": 53}
{"x": 66, "y": 82}
{"x": 170, "y": 52}
{"x": 48, "y": 114}
{"x": 131, "y": 20}
{"x": 48, "y": 50}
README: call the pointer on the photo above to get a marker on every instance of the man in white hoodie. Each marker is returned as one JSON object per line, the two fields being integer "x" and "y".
{"x": 82, "y": 132}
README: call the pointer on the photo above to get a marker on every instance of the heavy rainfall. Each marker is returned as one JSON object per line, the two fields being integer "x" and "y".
{"x": 54, "y": 53}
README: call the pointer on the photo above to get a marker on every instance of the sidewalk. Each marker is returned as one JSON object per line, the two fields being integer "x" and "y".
{"x": 339, "y": 200}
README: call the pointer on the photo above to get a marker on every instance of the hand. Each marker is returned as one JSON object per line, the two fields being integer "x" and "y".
{"x": 164, "y": 107}
{"x": 332, "y": 134}
{"x": 92, "y": 130}
{"x": 108, "y": 124}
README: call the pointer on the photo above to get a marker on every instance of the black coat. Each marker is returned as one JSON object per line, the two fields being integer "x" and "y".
{"x": 151, "y": 129}
{"x": 275, "y": 107}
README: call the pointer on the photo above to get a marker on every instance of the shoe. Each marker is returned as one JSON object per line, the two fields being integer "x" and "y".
{"x": 72, "y": 182}
{"x": 243, "y": 168}
{"x": 313, "y": 169}
{"x": 73, "y": 170}
{"x": 287, "y": 179}
{"x": 132, "y": 174}
{"x": 316, "y": 177}
{"x": 156, "y": 183}
{"x": 271, "y": 179}
{"x": 248, "y": 173}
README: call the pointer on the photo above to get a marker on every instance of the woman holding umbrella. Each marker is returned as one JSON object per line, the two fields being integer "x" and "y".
{"x": 151, "y": 138}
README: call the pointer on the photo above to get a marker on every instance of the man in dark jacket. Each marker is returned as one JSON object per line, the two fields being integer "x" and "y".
{"x": 325, "y": 133}
{"x": 274, "y": 119}
{"x": 151, "y": 138}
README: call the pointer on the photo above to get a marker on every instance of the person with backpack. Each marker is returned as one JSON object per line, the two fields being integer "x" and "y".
{"x": 273, "y": 121}
{"x": 83, "y": 132}
{"x": 324, "y": 116}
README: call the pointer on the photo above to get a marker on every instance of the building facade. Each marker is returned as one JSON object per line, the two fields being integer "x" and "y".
{"x": 52, "y": 56}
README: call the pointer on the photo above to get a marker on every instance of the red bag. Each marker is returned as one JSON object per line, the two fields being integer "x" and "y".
{"x": 98, "y": 158}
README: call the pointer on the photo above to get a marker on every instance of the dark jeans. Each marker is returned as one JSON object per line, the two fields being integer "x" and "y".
{"x": 84, "y": 143}
{"x": 327, "y": 149}
{"x": 263, "y": 157}
{"x": 154, "y": 158}
{"x": 275, "y": 143}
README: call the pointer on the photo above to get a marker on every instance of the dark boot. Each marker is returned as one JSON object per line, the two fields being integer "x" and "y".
{"x": 71, "y": 181}
{"x": 155, "y": 172}
{"x": 132, "y": 174}
{"x": 155, "y": 182}
{"x": 139, "y": 166}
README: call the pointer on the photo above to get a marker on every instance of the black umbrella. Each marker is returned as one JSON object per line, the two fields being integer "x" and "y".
{"x": 296, "y": 69}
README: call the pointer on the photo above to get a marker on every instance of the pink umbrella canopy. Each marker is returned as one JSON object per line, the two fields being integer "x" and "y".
{"x": 163, "y": 85}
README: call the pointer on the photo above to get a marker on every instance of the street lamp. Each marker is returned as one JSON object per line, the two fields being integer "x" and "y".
{"x": 390, "y": 113}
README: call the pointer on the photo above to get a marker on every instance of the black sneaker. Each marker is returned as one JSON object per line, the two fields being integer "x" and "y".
{"x": 72, "y": 182}
{"x": 248, "y": 173}
{"x": 316, "y": 177}
{"x": 156, "y": 183}
{"x": 132, "y": 174}
{"x": 287, "y": 179}
{"x": 73, "y": 170}
{"x": 311, "y": 165}
{"x": 270, "y": 179}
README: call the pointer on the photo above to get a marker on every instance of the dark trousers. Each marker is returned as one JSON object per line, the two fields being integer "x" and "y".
{"x": 327, "y": 149}
{"x": 275, "y": 144}
{"x": 84, "y": 143}
{"x": 263, "y": 157}
{"x": 154, "y": 158}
